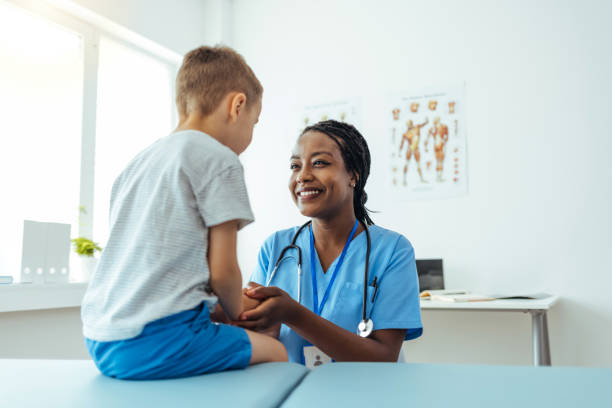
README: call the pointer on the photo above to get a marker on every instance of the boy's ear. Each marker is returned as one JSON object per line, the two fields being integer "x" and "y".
{"x": 237, "y": 105}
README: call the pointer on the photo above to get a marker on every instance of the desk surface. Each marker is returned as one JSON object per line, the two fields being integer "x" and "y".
{"x": 457, "y": 386}
{"x": 499, "y": 305}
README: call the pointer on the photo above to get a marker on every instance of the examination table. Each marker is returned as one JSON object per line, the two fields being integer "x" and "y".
{"x": 77, "y": 383}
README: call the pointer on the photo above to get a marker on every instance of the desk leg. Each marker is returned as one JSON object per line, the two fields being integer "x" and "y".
{"x": 541, "y": 345}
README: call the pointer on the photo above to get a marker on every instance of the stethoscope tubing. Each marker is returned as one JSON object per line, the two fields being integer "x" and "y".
{"x": 365, "y": 274}
{"x": 299, "y": 265}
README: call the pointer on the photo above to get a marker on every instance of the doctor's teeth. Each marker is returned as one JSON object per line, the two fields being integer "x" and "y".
{"x": 308, "y": 193}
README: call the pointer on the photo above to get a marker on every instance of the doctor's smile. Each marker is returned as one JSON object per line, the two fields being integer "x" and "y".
{"x": 308, "y": 194}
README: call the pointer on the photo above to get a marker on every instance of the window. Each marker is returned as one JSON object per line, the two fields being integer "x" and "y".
{"x": 134, "y": 109}
{"x": 41, "y": 79}
{"x": 71, "y": 95}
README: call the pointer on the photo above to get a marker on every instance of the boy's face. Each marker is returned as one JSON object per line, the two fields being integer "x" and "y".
{"x": 245, "y": 124}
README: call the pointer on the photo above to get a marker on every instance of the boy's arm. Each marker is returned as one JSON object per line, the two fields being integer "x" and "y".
{"x": 248, "y": 303}
{"x": 225, "y": 276}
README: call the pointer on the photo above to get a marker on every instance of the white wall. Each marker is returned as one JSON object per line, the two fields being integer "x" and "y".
{"x": 177, "y": 25}
{"x": 537, "y": 216}
{"x": 45, "y": 334}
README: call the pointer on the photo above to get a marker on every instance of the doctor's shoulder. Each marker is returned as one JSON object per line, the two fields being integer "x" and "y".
{"x": 274, "y": 243}
{"x": 279, "y": 239}
{"x": 391, "y": 242}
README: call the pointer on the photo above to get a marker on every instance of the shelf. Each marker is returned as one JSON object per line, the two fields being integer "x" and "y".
{"x": 22, "y": 297}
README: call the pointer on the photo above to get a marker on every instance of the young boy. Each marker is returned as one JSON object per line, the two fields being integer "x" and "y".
{"x": 171, "y": 254}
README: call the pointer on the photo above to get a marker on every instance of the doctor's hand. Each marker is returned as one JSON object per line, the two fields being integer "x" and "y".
{"x": 276, "y": 307}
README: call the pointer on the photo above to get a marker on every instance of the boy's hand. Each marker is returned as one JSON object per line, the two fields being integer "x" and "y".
{"x": 248, "y": 302}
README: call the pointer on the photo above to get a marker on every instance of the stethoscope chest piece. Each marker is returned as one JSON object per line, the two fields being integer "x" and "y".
{"x": 365, "y": 328}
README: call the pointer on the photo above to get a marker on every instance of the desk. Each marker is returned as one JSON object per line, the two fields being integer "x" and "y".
{"x": 536, "y": 307}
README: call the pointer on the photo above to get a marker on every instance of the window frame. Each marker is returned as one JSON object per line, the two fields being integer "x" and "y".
{"x": 91, "y": 27}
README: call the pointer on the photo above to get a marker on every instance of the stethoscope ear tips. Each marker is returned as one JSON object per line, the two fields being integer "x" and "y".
{"x": 365, "y": 327}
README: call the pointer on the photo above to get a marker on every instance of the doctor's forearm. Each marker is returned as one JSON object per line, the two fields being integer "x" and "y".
{"x": 338, "y": 343}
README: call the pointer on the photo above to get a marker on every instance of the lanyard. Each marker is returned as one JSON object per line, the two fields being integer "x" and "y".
{"x": 313, "y": 272}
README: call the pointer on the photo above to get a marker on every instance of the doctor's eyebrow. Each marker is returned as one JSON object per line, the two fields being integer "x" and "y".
{"x": 295, "y": 156}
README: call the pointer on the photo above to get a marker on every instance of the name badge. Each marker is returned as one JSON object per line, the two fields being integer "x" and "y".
{"x": 314, "y": 357}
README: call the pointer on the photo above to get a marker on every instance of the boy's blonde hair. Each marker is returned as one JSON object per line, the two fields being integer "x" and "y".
{"x": 208, "y": 74}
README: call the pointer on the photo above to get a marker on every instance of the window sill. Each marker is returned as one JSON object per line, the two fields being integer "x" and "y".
{"x": 22, "y": 297}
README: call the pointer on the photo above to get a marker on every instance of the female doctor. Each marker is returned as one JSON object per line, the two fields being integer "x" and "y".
{"x": 329, "y": 167}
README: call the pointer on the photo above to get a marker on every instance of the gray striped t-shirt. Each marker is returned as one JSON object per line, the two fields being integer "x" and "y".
{"x": 162, "y": 205}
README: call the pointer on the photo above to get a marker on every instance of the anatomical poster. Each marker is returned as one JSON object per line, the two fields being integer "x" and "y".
{"x": 427, "y": 144}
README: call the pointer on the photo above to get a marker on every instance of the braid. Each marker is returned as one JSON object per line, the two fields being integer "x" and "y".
{"x": 356, "y": 156}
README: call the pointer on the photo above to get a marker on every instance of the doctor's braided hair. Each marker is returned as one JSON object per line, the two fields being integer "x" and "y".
{"x": 356, "y": 155}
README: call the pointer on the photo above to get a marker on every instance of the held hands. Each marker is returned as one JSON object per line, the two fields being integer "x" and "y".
{"x": 264, "y": 309}
{"x": 275, "y": 307}
{"x": 248, "y": 303}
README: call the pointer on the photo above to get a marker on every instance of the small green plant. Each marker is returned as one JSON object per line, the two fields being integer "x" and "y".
{"x": 85, "y": 246}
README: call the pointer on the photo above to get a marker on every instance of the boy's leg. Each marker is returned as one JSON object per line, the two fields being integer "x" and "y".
{"x": 265, "y": 348}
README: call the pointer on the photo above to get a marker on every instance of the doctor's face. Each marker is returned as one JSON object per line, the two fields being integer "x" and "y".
{"x": 319, "y": 183}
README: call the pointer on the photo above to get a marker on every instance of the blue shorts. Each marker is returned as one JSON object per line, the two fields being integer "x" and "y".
{"x": 180, "y": 345}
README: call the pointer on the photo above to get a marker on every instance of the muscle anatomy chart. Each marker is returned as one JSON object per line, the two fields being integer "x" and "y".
{"x": 427, "y": 144}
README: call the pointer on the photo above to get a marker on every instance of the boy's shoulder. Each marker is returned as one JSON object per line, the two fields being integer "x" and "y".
{"x": 195, "y": 148}
{"x": 194, "y": 139}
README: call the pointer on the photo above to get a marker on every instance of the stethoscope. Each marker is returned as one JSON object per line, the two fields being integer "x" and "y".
{"x": 366, "y": 325}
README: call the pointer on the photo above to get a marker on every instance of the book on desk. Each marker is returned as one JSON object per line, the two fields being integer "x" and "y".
{"x": 454, "y": 295}
{"x": 6, "y": 279}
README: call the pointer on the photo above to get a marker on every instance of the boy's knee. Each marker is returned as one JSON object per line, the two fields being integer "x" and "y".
{"x": 280, "y": 352}
{"x": 276, "y": 351}
{"x": 266, "y": 349}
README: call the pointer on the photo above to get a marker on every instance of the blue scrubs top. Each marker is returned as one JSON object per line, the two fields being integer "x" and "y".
{"x": 396, "y": 305}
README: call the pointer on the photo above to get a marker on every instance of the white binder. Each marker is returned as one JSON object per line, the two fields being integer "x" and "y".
{"x": 45, "y": 252}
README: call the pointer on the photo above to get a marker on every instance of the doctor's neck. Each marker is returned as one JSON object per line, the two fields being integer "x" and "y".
{"x": 335, "y": 230}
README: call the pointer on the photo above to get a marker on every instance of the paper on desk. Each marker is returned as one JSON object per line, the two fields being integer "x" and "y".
{"x": 426, "y": 294}
{"x": 466, "y": 297}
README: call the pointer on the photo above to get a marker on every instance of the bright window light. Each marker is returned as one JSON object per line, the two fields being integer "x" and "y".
{"x": 41, "y": 76}
{"x": 135, "y": 106}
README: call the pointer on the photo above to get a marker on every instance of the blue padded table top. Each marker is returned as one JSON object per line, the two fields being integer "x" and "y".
{"x": 377, "y": 385}
{"x": 78, "y": 383}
